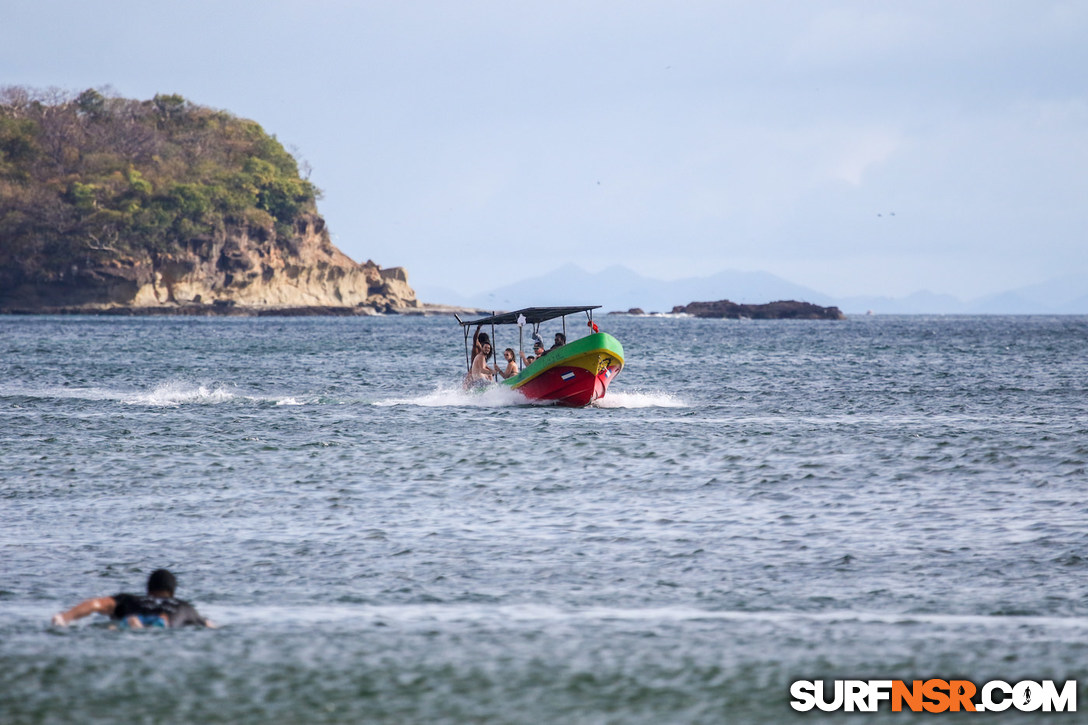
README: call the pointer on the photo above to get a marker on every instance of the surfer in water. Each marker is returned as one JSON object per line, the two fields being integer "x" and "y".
{"x": 158, "y": 608}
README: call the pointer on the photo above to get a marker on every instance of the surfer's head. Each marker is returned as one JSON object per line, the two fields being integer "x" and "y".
{"x": 161, "y": 581}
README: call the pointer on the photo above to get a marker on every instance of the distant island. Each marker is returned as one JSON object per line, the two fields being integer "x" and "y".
{"x": 164, "y": 206}
{"x": 781, "y": 310}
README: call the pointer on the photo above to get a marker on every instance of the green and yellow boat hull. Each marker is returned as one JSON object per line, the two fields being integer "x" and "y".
{"x": 573, "y": 375}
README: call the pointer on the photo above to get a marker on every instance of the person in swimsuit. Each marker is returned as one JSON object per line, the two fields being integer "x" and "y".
{"x": 158, "y": 608}
{"x": 480, "y": 372}
{"x": 479, "y": 339}
{"x": 511, "y": 364}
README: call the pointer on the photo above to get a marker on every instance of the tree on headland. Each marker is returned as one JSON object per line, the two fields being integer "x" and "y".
{"x": 88, "y": 174}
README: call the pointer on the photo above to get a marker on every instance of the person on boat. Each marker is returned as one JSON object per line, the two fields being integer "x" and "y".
{"x": 480, "y": 372}
{"x": 158, "y": 608}
{"x": 538, "y": 350}
{"x": 511, "y": 364}
{"x": 560, "y": 341}
{"x": 478, "y": 340}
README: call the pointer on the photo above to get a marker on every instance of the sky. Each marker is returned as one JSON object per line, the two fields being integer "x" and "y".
{"x": 858, "y": 148}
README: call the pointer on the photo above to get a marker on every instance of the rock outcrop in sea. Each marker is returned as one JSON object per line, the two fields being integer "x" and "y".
{"x": 781, "y": 310}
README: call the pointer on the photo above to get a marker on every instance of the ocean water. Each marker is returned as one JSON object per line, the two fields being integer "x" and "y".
{"x": 753, "y": 503}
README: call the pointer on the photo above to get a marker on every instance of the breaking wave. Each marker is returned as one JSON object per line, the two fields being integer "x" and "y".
{"x": 544, "y": 613}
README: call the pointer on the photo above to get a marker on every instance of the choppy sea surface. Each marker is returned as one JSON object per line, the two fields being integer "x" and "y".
{"x": 753, "y": 503}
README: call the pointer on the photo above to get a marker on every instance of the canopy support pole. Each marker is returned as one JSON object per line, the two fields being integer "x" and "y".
{"x": 468, "y": 355}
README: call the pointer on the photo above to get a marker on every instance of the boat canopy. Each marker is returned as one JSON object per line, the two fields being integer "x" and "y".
{"x": 533, "y": 315}
{"x": 528, "y": 316}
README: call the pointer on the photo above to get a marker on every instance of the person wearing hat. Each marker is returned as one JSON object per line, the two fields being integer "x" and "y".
{"x": 538, "y": 350}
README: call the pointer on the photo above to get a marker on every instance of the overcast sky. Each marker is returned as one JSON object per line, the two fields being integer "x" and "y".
{"x": 853, "y": 147}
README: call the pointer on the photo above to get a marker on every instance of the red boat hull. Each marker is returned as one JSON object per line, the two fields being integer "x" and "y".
{"x": 574, "y": 375}
{"x": 566, "y": 385}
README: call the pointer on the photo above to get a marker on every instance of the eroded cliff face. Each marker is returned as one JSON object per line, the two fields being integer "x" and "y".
{"x": 244, "y": 267}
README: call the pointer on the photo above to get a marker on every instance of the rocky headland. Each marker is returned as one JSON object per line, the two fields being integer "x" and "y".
{"x": 109, "y": 205}
{"x": 237, "y": 272}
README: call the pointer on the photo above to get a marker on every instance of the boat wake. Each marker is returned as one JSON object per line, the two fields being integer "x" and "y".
{"x": 172, "y": 394}
{"x": 164, "y": 395}
{"x": 617, "y": 399}
{"x": 496, "y": 396}
{"x": 502, "y": 397}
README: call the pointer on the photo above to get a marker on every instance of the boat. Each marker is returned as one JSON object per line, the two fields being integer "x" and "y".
{"x": 574, "y": 375}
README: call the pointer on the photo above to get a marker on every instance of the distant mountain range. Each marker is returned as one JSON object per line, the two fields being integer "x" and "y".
{"x": 618, "y": 288}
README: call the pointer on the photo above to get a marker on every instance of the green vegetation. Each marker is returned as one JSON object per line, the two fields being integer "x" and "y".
{"x": 85, "y": 177}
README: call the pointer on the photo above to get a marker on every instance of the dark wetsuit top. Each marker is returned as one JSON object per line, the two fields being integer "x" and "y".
{"x": 175, "y": 612}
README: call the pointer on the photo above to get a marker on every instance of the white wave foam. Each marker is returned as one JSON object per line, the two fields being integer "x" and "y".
{"x": 616, "y": 399}
{"x": 174, "y": 393}
{"x": 496, "y": 396}
{"x": 499, "y": 396}
{"x": 168, "y": 394}
{"x": 544, "y": 613}
{"x": 61, "y": 393}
